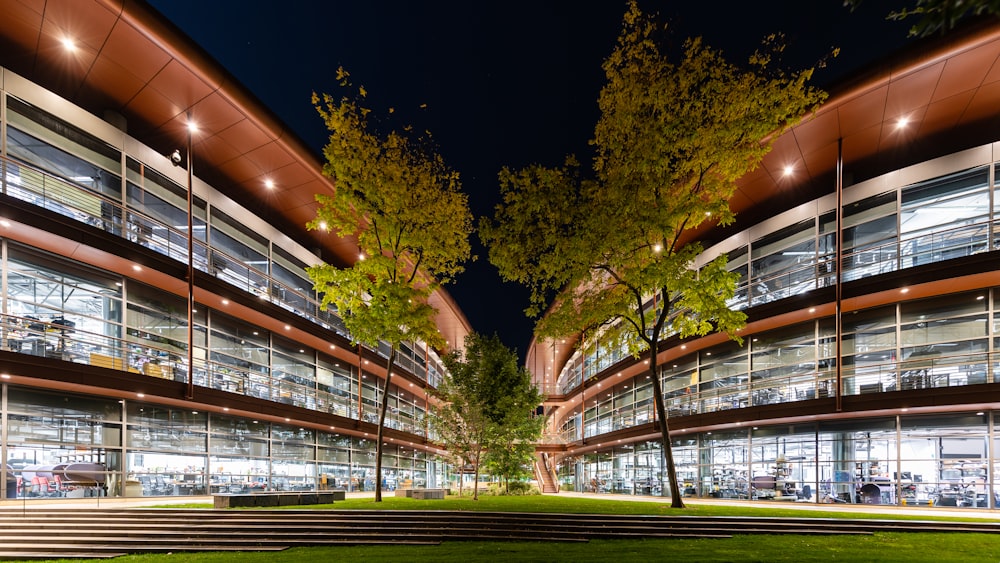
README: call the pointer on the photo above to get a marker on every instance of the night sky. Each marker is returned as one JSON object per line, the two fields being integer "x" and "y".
{"x": 505, "y": 83}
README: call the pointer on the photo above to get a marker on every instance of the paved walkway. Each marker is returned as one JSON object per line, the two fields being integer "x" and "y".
{"x": 890, "y": 510}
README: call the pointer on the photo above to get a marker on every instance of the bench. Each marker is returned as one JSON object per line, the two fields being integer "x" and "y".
{"x": 429, "y": 494}
{"x": 277, "y": 498}
{"x": 422, "y": 494}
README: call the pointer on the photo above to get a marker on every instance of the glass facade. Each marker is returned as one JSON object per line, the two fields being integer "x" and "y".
{"x": 55, "y": 165}
{"x": 905, "y": 461}
{"x": 62, "y": 307}
{"x": 59, "y": 308}
{"x": 946, "y": 340}
{"x": 73, "y": 446}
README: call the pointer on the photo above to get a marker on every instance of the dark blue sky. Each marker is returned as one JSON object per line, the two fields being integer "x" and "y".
{"x": 506, "y": 83}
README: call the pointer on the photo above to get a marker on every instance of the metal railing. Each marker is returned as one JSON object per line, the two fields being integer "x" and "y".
{"x": 79, "y": 203}
{"x": 53, "y": 339}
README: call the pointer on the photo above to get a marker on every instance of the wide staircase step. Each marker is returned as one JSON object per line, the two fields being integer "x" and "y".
{"x": 65, "y": 532}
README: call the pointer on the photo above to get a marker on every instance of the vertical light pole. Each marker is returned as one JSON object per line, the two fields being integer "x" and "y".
{"x": 176, "y": 159}
{"x": 839, "y": 328}
{"x": 190, "y": 255}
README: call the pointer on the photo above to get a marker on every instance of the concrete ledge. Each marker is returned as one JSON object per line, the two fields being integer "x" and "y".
{"x": 271, "y": 499}
{"x": 429, "y": 494}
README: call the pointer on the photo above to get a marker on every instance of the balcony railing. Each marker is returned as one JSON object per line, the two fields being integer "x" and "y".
{"x": 56, "y": 340}
{"x": 86, "y": 206}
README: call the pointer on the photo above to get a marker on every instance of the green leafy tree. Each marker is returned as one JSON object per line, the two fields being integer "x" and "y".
{"x": 487, "y": 410}
{"x": 613, "y": 253}
{"x": 460, "y": 422}
{"x": 938, "y": 16}
{"x": 512, "y": 446}
{"x": 397, "y": 198}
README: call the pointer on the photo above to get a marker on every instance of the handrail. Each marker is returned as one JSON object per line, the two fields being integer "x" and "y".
{"x": 56, "y": 340}
{"x": 77, "y": 202}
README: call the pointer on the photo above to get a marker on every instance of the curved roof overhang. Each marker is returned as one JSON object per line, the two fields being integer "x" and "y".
{"x": 947, "y": 92}
{"x": 130, "y": 61}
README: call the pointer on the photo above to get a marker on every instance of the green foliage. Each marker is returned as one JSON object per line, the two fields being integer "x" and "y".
{"x": 672, "y": 140}
{"x": 514, "y": 488}
{"x": 486, "y": 416}
{"x": 938, "y": 16}
{"x": 403, "y": 206}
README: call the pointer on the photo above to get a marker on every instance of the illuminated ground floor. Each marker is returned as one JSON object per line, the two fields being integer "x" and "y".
{"x": 936, "y": 461}
{"x": 62, "y": 445}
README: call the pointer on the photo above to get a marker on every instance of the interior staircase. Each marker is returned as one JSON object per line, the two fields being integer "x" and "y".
{"x": 544, "y": 474}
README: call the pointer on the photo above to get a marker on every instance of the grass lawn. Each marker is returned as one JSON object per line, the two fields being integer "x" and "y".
{"x": 882, "y": 547}
{"x": 887, "y": 547}
{"x": 594, "y": 505}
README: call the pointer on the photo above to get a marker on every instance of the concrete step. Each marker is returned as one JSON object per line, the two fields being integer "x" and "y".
{"x": 112, "y": 532}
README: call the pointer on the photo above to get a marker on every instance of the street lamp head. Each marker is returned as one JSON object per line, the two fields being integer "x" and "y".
{"x": 175, "y": 157}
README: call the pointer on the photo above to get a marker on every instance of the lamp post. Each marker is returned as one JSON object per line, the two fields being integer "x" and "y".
{"x": 176, "y": 159}
{"x": 839, "y": 327}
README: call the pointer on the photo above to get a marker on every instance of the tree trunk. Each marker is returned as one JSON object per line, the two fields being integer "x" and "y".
{"x": 661, "y": 410}
{"x": 475, "y": 485}
{"x": 381, "y": 423}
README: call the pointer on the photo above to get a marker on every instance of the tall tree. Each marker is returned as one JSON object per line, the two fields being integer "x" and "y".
{"x": 488, "y": 404}
{"x": 398, "y": 199}
{"x": 613, "y": 253}
{"x": 459, "y": 420}
{"x": 512, "y": 445}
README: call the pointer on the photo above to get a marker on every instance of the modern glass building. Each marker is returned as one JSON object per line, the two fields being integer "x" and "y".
{"x": 158, "y": 332}
{"x": 868, "y": 253}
